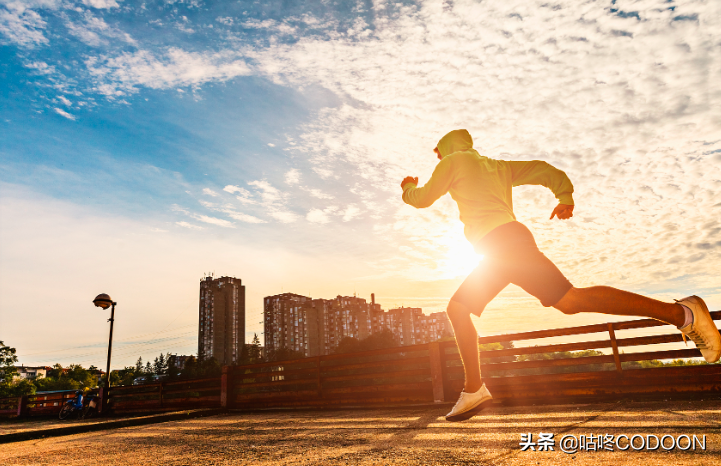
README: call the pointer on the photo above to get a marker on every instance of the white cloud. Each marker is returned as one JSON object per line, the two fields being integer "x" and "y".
{"x": 189, "y": 225}
{"x": 214, "y": 221}
{"x": 22, "y": 26}
{"x": 230, "y": 211}
{"x": 283, "y": 216}
{"x": 321, "y": 216}
{"x": 202, "y": 218}
{"x": 95, "y": 31}
{"x": 317, "y": 216}
{"x": 244, "y": 195}
{"x": 351, "y": 212}
{"x": 268, "y": 192}
{"x": 567, "y": 85}
{"x": 317, "y": 193}
{"x": 270, "y": 24}
{"x": 101, "y": 3}
{"x": 244, "y": 217}
{"x": 210, "y": 192}
{"x": 41, "y": 67}
{"x": 270, "y": 144}
{"x": 227, "y": 20}
{"x": 64, "y": 100}
{"x": 292, "y": 176}
{"x": 65, "y": 114}
{"x": 122, "y": 74}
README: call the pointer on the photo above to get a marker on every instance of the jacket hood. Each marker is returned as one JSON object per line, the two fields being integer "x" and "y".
{"x": 456, "y": 140}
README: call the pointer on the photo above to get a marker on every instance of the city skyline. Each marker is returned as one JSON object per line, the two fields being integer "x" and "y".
{"x": 143, "y": 144}
{"x": 316, "y": 327}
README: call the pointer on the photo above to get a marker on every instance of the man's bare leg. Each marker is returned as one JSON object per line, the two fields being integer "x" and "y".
{"x": 467, "y": 341}
{"x": 607, "y": 300}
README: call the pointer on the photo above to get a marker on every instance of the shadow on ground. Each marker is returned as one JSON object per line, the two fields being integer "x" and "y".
{"x": 410, "y": 436}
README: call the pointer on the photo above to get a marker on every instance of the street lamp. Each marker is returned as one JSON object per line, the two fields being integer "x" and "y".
{"x": 104, "y": 301}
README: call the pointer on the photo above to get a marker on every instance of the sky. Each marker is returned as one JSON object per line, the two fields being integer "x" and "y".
{"x": 144, "y": 145}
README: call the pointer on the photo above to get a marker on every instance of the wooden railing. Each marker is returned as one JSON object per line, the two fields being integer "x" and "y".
{"x": 37, "y": 405}
{"x": 515, "y": 375}
{"x": 432, "y": 373}
{"x": 166, "y": 396}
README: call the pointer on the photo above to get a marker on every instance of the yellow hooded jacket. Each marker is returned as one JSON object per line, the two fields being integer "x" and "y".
{"x": 482, "y": 186}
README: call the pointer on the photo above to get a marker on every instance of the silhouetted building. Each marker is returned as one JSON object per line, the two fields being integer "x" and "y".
{"x": 315, "y": 327}
{"x": 296, "y": 323}
{"x": 178, "y": 361}
{"x": 221, "y": 329}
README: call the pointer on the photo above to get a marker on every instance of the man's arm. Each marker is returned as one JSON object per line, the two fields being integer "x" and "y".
{"x": 542, "y": 173}
{"x": 437, "y": 186}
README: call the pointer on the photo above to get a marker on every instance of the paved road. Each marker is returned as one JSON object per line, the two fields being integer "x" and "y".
{"x": 409, "y": 436}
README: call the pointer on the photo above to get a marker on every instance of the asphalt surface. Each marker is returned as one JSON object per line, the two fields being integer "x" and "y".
{"x": 15, "y": 430}
{"x": 408, "y": 436}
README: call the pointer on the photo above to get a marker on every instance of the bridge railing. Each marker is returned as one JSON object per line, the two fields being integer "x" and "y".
{"x": 598, "y": 369}
{"x": 608, "y": 365}
{"x": 42, "y": 404}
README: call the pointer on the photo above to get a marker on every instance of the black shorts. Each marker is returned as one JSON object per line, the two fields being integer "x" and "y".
{"x": 511, "y": 256}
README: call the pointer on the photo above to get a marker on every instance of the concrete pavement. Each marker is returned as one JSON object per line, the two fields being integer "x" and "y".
{"x": 408, "y": 436}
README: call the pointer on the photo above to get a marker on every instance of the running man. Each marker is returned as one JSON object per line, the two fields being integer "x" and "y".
{"x": 482, "y": 188}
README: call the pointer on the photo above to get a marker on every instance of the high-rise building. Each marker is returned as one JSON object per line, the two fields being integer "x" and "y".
{"x": 315, "y": 327}
{"x": 221, "y": 328}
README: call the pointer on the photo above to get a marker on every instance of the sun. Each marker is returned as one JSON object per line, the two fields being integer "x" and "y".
{"x": 460, "y": 259}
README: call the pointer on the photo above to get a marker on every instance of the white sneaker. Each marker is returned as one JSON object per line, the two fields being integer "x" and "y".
{"x": 469, "y": 404}
{"x": 702, "y": 330}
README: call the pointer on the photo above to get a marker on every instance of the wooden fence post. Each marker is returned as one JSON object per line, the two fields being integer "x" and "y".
{"x": 437, "y": 372}
{"x": 160, "y": 394}
{"x": 614, "y": 345}
{"x": 319, "y": 381}
{"x": 225, "y": 387}
{"x": 22, "y": 405}
{"x": 104, "y": 394}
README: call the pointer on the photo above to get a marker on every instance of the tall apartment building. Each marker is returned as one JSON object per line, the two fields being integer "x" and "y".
{"x": 316, "y": 326}
{"x": 221, "y": 327}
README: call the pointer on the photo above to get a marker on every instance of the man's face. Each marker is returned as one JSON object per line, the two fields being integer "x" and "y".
{"x": 438, "y": 153}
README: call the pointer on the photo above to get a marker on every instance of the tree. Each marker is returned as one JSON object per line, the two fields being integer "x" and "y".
{"x": 7, "y": 363}
{"x": 285, "y": 354}
{"x": 139, "y": 367}
{"x": 379, "y": 340}
{"x": 348, "y": 345}
{"x": 124, "y": 376}
{"x": 160, "y": 365}
{"x": 191, "y": 368}
{"x": 9, "y": 385}
{"x": 251, "y": 352}
{"x": 73, "y": 377}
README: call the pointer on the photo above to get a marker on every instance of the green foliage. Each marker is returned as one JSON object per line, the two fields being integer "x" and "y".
{"x": 160, "y": 365}
{"x": 73, "y": 378}
{"x": 348, "y": 345}
{"x": 379, "y": 340}
{"x": 656, "y": 363}
{"x": 17, "y": 387}
{"x": 251, "y": 353}
{"x": 7, "y": 363}
{"x": 285, "y": 354}
{"x": 9, "y": 385}
{"x": 195, "y": 369}
{"x": 124, "y": 376}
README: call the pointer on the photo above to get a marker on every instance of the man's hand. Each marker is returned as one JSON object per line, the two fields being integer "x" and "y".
{"x": 409, "y": 179}
{"x": 562, "y": 211}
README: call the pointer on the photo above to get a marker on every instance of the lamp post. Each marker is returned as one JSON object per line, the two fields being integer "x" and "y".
{"x": 104, "y": 301}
